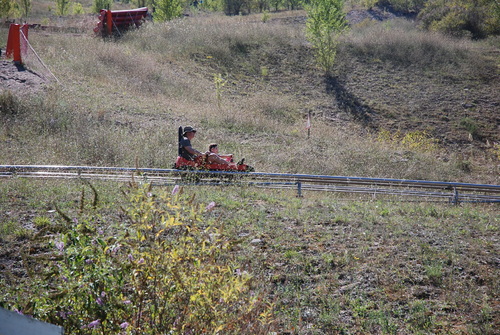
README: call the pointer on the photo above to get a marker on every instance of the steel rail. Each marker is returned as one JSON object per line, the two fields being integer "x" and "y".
{"x": 450, "y": 191}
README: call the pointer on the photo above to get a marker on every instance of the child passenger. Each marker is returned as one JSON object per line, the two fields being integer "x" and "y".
{"x": 213, "y": 149}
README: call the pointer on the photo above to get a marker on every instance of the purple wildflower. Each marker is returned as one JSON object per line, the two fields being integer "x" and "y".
{"x": 175, "y": 190}
{"x": 210, "y": 206}
{"x": 99, "y": 301}
{"x": 94, "y": 324}
{"x": 63, "y": 315}
{"x": 115, "y": 249}
{"x": 124, "y": 325}
{"x": 60, "y": 245}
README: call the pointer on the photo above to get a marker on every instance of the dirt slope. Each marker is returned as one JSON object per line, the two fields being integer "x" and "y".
{"x": 17, "y": 78}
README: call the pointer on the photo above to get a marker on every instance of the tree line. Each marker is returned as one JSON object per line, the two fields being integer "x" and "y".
{"x": 470, "y": 18}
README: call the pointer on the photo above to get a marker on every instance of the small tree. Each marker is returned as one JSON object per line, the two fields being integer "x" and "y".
{"x": 5, "y": 6}
{"x": 326, "y": 20}
{"x": 212, "y": 5}
{"x": 233, "y": 7}
{"x": 166, "y": 10}
{"x": 25, "y": 6}
{"x": 62, "y": 7}
{"x": 78, "y": 8}
{"x": 141, "y": 3}
{"x": 276, "y": 4}
{"x": 101, "y": 4}
{"x": 263, "y": 5}
{"x": 293, "y": 4}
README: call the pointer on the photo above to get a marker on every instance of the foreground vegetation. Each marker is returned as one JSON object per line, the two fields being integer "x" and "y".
{"x": 399, "y": 103}
{"x": 322, "y": 264}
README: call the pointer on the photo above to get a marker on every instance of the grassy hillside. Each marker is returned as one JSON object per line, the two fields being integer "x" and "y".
{"x": 402, "y": 103}
{"x": 123, "y": 100}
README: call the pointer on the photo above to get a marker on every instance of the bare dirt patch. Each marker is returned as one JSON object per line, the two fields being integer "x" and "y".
{"x": 19, "y": 79}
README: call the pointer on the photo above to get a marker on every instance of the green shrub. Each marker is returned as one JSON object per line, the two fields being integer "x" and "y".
{"x": 62, "y": 7}
{"x": 166, "y": 10}
{"x": 413, "y": 140}
{"x": 233, "y": 7}
{"x": 78, "y": 8}
{"x": 5, "y": 6}
{"x": 41, "y": 222}
{"x": 477, "y": 18}
{"x": 9, "y": 104}
{"x": 470, "y": 125}
{"x": 101, "y": 4}
{"x": 8, "y": 229}
{"x": 404, "y": 6}
{"x": 161, "y": 269}
{"x": 496, "y": 150}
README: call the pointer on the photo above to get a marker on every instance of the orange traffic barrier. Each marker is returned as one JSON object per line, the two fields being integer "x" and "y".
{"x": 13, "y": 43}
{"x": 17, "y": 44}
{"x": 116, "y": 22}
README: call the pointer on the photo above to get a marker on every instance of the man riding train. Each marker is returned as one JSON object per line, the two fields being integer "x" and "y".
{"x": 189, "y": 157}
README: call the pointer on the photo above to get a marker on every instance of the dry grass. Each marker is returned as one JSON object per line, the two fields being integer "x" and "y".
{"x": 332, "y": 263}
{"x": 402, "y": 43}
{"x": 123, "y": 100}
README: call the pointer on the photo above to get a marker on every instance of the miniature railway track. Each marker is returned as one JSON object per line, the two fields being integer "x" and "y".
{"x": 452, "y": 192}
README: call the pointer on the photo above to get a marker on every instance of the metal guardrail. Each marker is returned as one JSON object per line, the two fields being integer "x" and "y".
{"x": 453, "y": 192}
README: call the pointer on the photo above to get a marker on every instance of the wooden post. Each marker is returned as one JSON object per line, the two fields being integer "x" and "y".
{"x": 308, "y": 124}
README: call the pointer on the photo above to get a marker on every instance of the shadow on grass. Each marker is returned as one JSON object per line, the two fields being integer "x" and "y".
{"x": 348, "y": 102}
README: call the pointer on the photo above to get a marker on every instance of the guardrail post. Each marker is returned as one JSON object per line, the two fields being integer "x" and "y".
{"x": 299, "y": 189}
{"x": 455, "y": 200}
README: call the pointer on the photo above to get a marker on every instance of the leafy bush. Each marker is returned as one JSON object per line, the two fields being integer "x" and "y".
{"x": 62, "y": 7}
{"x": 470, "y": 125}
{"x": 101, "y": 4}
{"x": 233, "y": 7}
{"x": 160, "y": 269}
{"x": 9, "y": 104}
{"x": 5, "y": 6}
{"x": 496, "y": 150}
{"x": 166, "y": 10}
{"x": 477, "y": 18}
{"x": 404, "y": 6}
{"x": 413, "y": 140}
